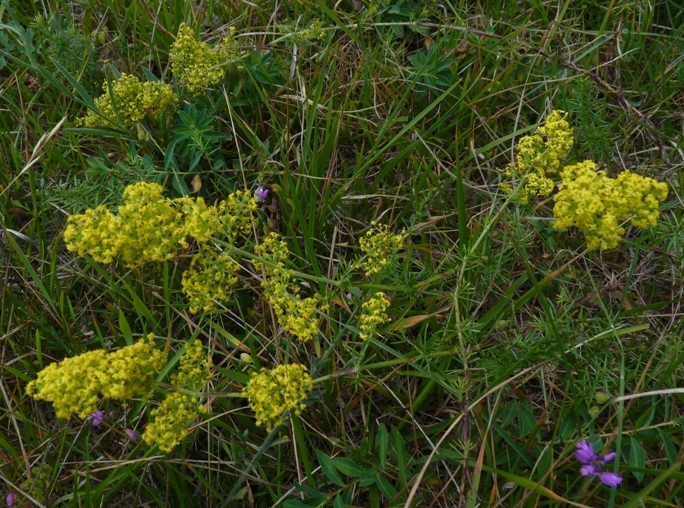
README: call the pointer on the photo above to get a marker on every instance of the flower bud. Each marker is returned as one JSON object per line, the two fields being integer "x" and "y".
{"x": 602, "y": 397}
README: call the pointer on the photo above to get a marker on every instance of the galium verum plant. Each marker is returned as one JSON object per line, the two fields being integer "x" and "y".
{"x": 151, "y": 228}
{"x": 196, "y": 64}
{"x": 379, "y": 246}
{"x": 182, "y": 406}
{"x": 77, "y": 384}
{"x": 273, "y": 392}
{"x": 296, "y": 315}
{"x": 587, "y": 198}
{"x": 130, "y": 101}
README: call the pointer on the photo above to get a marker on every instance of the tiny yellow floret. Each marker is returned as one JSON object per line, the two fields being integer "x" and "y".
{"x": 152, "y": 228}
{"x": 210, "y": 279}
{"x": 236, "y": 214}
{"x": 296, "y": 315}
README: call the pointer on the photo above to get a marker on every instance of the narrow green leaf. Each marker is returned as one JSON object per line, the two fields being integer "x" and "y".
{"x": 296, "y": 503}
{"x": 637, "y": 457}
{"x": 125, "y": 328}
{"x": 139, "y": 305}
{"x": 529, "y": 485}
{"x": 348, "y": 467}
{"x": 526, "y": 421}
{"x": 514, "y": 445}
{"x": 670, "y": 450}
{"x": 382, "y": 444}
{"x": 367, "y": 478}
{"x": 400, "y": 448}
{"x": 638, "y": 499}
{"x": 85, "y": 96}
{"x": 328, "y": 467}
{"x": 386, "y": 488}
{"x": 568, "y": 426}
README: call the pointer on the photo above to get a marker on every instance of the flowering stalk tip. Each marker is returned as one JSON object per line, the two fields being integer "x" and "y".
{"x": 261, "y": 193}
{"x": 592, "y": 464}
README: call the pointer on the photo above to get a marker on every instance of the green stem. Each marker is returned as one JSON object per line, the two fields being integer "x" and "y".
{"x": 301, "y": 275}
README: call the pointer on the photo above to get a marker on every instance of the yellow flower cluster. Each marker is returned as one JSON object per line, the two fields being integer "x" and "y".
{"x": 380, "y": 247}
{"x": 539, "y": 155}
{"x": 314, "y": 32}
{"x": 171, "y": 420}
{"x": 200, "y": 220}
{"x": 147, "y": 228}
{"x": 130, "y": 101}
{"x": 237, "y": 214}
{"x": 273, "y": 392}
{"x": 179, "y": 409}
{"x": 599, "y": 205}
{"x": 76, "y": 384}
{"x": 196, "y": 64}
{"x": 195, "y": 368}
{"x": 150, "y": 227}
{"x": 373, "y": 314}
{"x": 210, "y": 278}
{"x": 296, "y": 315}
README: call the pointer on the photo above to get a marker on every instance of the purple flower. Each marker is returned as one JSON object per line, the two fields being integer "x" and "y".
{"x": 261, "y": 193}
{"x": 11, "y": 499}
{"x": 589, "y": 470}
{"x": 610, "y": 479}
{"x": 592, "y": 463}
{"x": 96, "y": 418}
{"x": 585, "y": 452}
{"x": 132, "y": 435}
{"x": 608, "y": 457}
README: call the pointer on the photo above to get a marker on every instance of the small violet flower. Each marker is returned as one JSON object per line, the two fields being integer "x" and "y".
{"x": 96, "y": 418}
{"x": 261, "y": 193}
{"x": 11, "y": 499}
{"x": 592, "y": 464}
{"x": 132, "y": 435}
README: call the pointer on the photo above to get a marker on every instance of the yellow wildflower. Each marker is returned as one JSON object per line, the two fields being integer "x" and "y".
{"x": 94, "y": 232}
{"x": 599, "y": 205}
{"x": 314, "y": 32}
{"x": 273, "y": 392}
{"x": 130, "y": 101}
{"x": 539, "y": 155}
{"x": 147, "y": 228}
{"x": 195, "y": 367}
{"x": 75, "y": 385}
{"x": 150, "y": 227}
{"x": 373, "y": 314}
{"x": 170, "y": 420}
{"x": 178, "y": 410}
{"x": 380, "y": 247}
{"x": 236, "y": 214}
{"x": 196, "y": 64}
{"x": 210, "y": 279}
{"x": 200, "y": 221}
{"x": 297, "y": 316}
